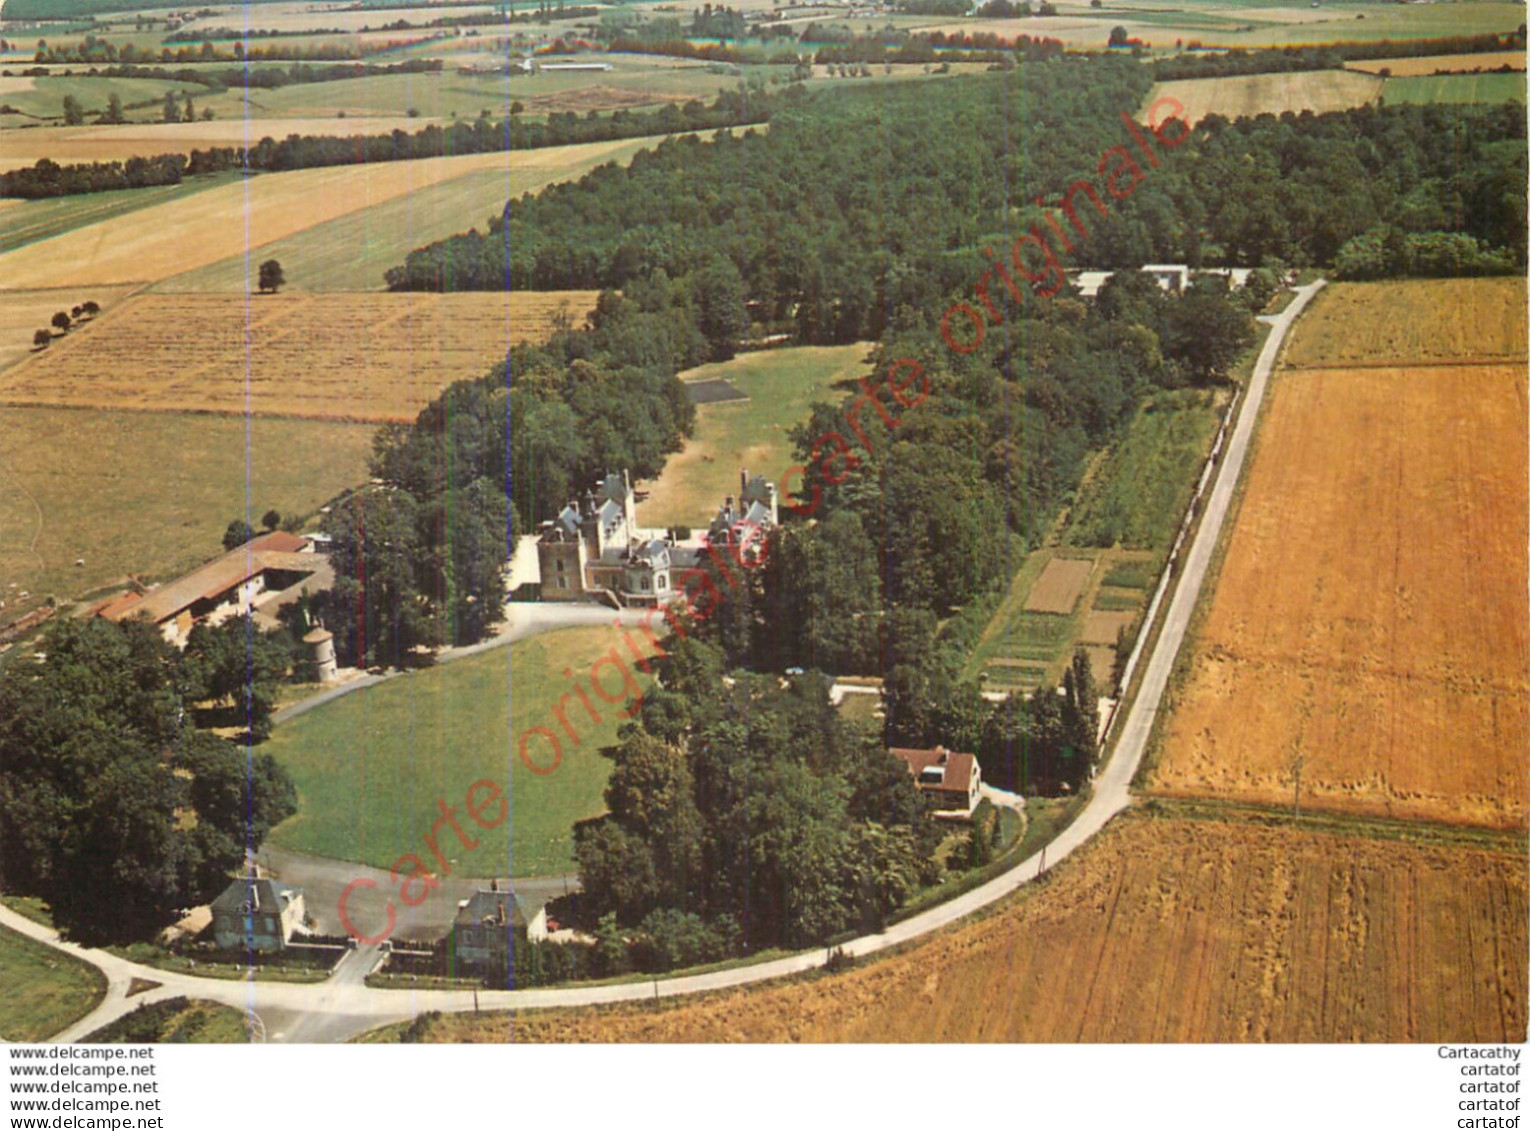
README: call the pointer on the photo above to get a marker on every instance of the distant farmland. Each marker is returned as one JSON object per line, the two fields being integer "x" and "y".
{"x": 376, "y": 357}
{"x": 351, "y": 252}
{"x": 1245, "y": 96}
{"x": 1368, "y": 643}
{"x": 182, "y": 235}
{"x": 1457, "y": 88}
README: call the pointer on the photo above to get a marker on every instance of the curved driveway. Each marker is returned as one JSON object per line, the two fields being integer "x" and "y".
{"x": 343, "y": 1006}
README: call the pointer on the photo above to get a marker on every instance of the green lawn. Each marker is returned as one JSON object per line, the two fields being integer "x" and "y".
{"x": 46, "y": 991}
{"x": 1139, "y": 495}
{"x": 46, "y": 97}
{"x": 175, "y": 1021}
{"x": 782, "y": 386}
{"x": 1456, "y": 88}
{"x": 151, "y": 493}
{"x": 33, "y": 220}
{"x": 371, "y": 767}
{"x": 351, "y": 252}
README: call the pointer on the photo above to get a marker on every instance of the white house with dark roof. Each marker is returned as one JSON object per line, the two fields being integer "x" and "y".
{"x": 488, "y": 922}
{"x": 255, "y": 913}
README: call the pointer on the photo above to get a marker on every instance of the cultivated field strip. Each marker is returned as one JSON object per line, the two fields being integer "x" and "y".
{"x": 1368, "y": 630}
{"x": 374, "y": 357}
{"x": 182, "y": 235}
{"x": 1413, "y": 322}
{"x": 1168, "y": 929}
{"x": 1367, "y": 647}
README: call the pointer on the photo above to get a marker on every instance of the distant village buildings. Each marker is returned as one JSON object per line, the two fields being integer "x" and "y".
{"x": 595, "y": 550}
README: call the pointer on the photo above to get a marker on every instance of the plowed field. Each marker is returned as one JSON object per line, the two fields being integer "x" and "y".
{"x": 1367, "y": 642}
{"x": 375, "y": 357}
{"x": 1163, "y": 930}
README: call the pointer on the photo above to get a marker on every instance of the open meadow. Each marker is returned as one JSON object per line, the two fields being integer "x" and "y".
{"x": 782, "y": 386}
{"x": 1163, "y": 929}
{"x": 1438, "y": 89}
{"x": 379, "y": 357}
{"x": 45, "y": 991}
{"x": 149, "y": 494}
{"x": 1367, "y": 646}
{"x": 370, "y": 766}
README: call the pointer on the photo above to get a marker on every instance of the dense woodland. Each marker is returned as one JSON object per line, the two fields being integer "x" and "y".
{"x": 754, "y": 807}
{"x": 1279, "y": 60}
{"x": 114, "y": 808}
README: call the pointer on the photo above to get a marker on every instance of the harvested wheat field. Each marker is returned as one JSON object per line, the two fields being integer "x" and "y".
{"x": 1369, "y": 627}
{"x": 1164, "y": 929}
{"x": 372, "y": 357}
{"x": 1412, "y": 322}
{"x": 23, "y": 313}
{"x": 168, "y": 239}
{"x": 1060, "y": 585}
{"x": 1450, "y": 64}
{"x": 1246, "y": 96}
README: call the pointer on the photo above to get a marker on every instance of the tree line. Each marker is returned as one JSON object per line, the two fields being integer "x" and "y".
{"x": 1279, "y": 60}
{"x": 48, "y": 178}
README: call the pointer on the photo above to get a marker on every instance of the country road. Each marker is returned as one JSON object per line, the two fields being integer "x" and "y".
{"x": 342, "y": 1007}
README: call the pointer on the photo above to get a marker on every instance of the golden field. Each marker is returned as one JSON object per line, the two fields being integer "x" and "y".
{"x": 1164, "y": 929}
{"x": 1367, "y": 645}
{"x": 359, "y": 357}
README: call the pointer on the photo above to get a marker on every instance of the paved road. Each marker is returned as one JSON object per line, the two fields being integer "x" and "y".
{"x": 341, "y": 1007}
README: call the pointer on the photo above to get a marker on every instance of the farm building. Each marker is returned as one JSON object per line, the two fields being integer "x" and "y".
{"x": 263, "y": 574}
{"x": 256, "y": 914}
{"x": 952, "y": 781}
{"x": 487, "y": 924}
{"x": 1172, "y": 277}
{"x": 594, "y": 549}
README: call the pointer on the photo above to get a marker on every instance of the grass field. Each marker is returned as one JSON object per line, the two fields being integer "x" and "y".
{"x": 782, "y": 386}
{"x": 1214, "y": 23}
{"x": 1245, "y": 96}
{"x": 1457, "y": 88}
{"x": 370, "y": 767}
{"x": 379, "y": 357}
{"x": 182, "y": 235}
{"x": 46, "y": 991}
{"x": 149, "y": 493}
{"x": 175, "y": 1021}
{"x": 351, "y": 252}
{"x": 27, "y": 221}
{"x": 1368, "y": 640}
{"x": 1137, "y": 497}
{"x": 1163, "y": 929}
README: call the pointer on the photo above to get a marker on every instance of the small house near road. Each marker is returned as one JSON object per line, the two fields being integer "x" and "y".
{"x": 952, "y": 781}
{"x": 256, "y": 914}
{"x": 487, "y": 924}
